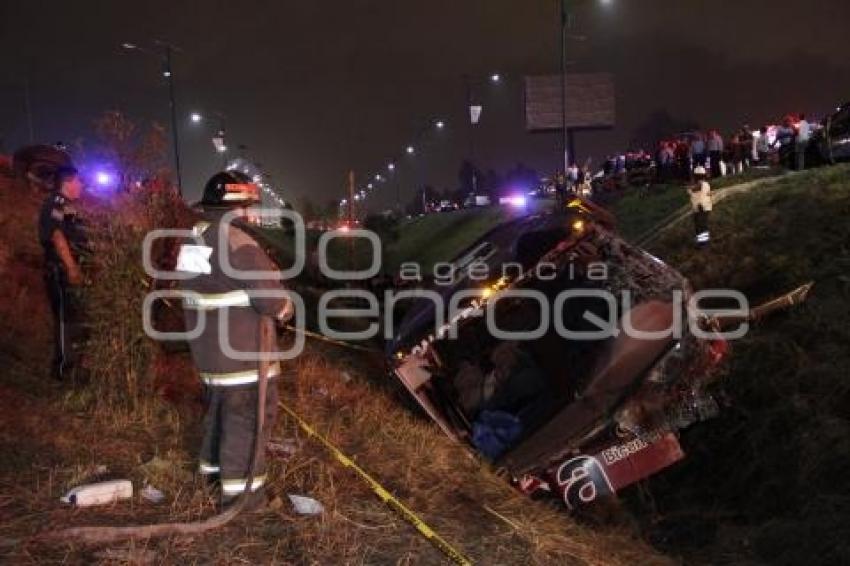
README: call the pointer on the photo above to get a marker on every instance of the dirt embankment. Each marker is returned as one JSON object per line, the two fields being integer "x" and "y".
{"x": 53, "y": 437}
{"x": 24, "y": 311}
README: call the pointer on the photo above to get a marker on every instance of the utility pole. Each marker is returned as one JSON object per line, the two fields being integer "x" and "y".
{"x": 351, "y": 199}
{"x": 351, "y": 217}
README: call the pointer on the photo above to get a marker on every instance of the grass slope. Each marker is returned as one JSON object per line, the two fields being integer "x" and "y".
{"x": 637, "y": 212}
{"x": 439, "y": 237}
{"x": 769, "y": 481}
{"x": 53, "y": 437}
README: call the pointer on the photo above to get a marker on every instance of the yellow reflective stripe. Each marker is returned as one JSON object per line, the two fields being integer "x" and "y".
{"x": 239, "y": 195}
{"x": 217, "y": 300}
{"x": 237, "y": 377}
{"x": 207, "y": 468}
{"x": 232, "y": 486}
{"x": 199, "y": 228}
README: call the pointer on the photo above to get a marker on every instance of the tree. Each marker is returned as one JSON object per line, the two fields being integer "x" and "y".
{"x": 307, "y": 208}
{"x": 137, "y": 154}
{"x": 491, "y": 182}
{"x": 465, "y": 177}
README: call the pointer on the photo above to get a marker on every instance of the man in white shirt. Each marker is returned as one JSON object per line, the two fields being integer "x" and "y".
{"x": 700, "y": 192}
{"x": 804, "y": 134}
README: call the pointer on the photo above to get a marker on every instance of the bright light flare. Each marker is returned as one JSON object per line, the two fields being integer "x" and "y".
{"x": 103, "y": 178}
{"x": 517, "y": 201}
{"x": 410, "y": 150}
{"x": 495, "y": 77}
{"x": 195, "y": 117}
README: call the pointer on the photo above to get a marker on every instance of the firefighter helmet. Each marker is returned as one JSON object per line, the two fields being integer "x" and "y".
{"x": 230, "y": 189}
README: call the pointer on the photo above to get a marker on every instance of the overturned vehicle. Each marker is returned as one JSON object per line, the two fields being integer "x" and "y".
{"x": 546, "y": 370}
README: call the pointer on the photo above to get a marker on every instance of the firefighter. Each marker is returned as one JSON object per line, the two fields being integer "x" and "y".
{"x": 231, "y": 383}
{"x": 61, "y": 233}
{"x": 700, "y": 192}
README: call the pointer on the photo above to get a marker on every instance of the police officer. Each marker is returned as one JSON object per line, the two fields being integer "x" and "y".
{"x": 218, "y": 260}
{"x": 61, "y": 234}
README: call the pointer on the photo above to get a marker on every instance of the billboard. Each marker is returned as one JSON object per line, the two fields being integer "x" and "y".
{"x": 589, "y": 96}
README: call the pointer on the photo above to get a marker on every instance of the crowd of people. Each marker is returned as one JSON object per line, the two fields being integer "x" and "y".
{"x": 785, "y": 145}
{"x": 692, "y": 158}
{"x": 676, "y": 158}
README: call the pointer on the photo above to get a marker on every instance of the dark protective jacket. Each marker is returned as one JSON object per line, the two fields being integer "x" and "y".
{"x": 222, "y": 303}
{"x": 58, "y": 213}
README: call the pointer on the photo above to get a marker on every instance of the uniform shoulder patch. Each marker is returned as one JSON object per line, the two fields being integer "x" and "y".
{"x": 194, "y": 259}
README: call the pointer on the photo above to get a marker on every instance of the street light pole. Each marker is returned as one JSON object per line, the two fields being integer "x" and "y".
{"x": 165, "y": 58}
{"x": 173, "y": 106}
{"x": 564, "y": 23}
{"x": 467, "y": 83}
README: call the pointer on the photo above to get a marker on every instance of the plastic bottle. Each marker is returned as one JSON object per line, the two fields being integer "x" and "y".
{"x": 100, "y": 493}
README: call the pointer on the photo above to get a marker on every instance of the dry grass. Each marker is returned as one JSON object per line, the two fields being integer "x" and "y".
{"x": 120, "y": 359}
{"x": 469, "y": 506}
{"x": 53, "y": 438}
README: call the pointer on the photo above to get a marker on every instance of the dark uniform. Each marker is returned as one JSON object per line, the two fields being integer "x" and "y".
{"x": 231, "y": 383}
{"x": 58, "y": 213}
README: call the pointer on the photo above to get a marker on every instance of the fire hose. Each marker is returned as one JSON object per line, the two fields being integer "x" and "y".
{"x": 99, "y": 534}
{"x": 93, "y": 534}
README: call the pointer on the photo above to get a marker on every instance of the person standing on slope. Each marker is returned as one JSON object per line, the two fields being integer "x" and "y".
{"x": 700, "y": 192}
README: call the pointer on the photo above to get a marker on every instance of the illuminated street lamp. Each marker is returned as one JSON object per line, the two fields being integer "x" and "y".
{"x": 391, "y": 167}
{"x": 475, "y": 110}
{"x": 409, "y": 150}
{"x": 440, "y": 124}
{"x": 218, "y": 140}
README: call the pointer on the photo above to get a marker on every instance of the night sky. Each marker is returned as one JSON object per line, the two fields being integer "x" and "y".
{"x": 314, "y": 88}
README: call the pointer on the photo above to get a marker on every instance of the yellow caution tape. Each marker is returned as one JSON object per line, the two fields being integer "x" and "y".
{"x": 323, "y": 338}
{"x": 383, "y": 494}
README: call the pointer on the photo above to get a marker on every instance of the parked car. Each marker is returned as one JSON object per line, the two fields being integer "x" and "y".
{"x": 833, "y": 141}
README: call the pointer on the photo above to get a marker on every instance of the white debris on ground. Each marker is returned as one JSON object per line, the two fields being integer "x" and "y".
{"x": 306, "y": 505}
